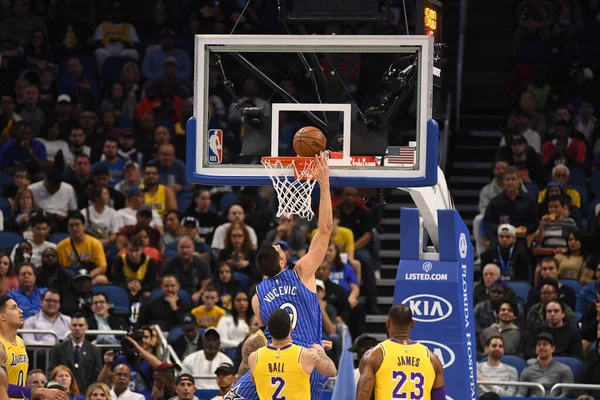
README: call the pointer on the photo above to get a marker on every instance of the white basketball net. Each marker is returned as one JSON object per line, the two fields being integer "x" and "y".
{"x": 294, "y": 182}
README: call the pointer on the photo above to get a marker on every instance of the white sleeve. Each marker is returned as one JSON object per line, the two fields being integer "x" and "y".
{"x": 115, "y": 223}
{"x": 252, "y": 234}
{"x": 72, "y": 205}
{"x": 99, "y": 33}
{"x": 29, "y": 338}
{"x": 156, "y": 220}
{"x": 223, "y": 328}
{"x": 133, "y": 36}
{"x": 12, "y": 255}
{"x": 186, "y": 365}
{"x": 218, "y": 241}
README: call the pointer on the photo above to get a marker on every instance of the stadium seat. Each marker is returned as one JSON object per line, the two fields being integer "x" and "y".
{"x": 184, "y": 199}
{"x": 591, "y": 212}
{"x": 183, "y": 295}
{"x": 170, "y": 250}
{"x": 111, "y": 69}
{"x": 8, "y": 240}
{"x": 576, "y": 177}
{"x": 571, "y": 362}
{"x": 583, "y": 193}
{"x": 521, "y": 288}
{"x": 228, "y": 199}
{"x": 572, "y": 283}
{"x": 595, "y": 184}
{"x": 5, "y": 206}
{"x": 117, "y": 295}
{"x": 124, "y": 123}
{"x": 87, "y": 62}
{"x": 532, "y": 190}
{"x": 174, "y": 334}
{"x": 57, "y": 237}
{"x": 513, "y": 361}
{"x": 5, "y": 179}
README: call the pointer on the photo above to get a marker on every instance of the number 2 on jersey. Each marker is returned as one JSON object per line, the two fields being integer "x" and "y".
{"x": 417, "y": 380}
{"x": 279, "y": 384}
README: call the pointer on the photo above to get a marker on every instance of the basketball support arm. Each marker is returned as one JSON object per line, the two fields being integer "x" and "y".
{"x": 429, "y": 200}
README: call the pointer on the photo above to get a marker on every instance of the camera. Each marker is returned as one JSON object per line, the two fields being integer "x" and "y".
{"x": 127, "y": 346}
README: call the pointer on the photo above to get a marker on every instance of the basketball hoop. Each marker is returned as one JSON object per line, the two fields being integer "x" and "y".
{"x": 293, "y": 192}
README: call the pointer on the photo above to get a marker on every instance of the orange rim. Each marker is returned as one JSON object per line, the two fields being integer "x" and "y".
{"x": 300, "y": 163}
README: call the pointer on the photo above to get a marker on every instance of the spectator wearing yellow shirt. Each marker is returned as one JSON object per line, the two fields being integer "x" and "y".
{"x": 344, "y": 240}
{"x": 78, "y": 249}
{"x": 209, "y": 314}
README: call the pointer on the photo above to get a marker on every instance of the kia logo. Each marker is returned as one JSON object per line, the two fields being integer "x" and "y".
{"x": 428, "y": 307}
{"x": 443, "y": 352}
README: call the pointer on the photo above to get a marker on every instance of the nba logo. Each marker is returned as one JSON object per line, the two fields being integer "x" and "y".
{"x": 215, "y": 146}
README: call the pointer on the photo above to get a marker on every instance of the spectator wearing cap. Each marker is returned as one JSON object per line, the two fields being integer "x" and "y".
{"x": 545, "y": 370}
{"x": 80, "y": 298}
{"x": 171, "y": 170}
{"x": 135, "y": 201}
{"x": 361, "y": 345}
{"x": 153, "y": 61}
{"x": 64, "y": 116}
{"x": 191, "y": 270}
{"x": 560, "y": 178}
{"x": 286, "y": 230}
{"x": 80, "y": 250}
{"x": 511, "y": 256}
{"x": 54, "y": 196}
{"x": 133, "y": 177}
{"x": 191, "y": 340}
{"x": 485, "y": 313}
{"x": 185, "y": 387}
{"x": 225, "y": 379}
{"x": 548, "y": 269}
{"x": 111, "y": 159}
{"x": 512, "y": 207}
{"x": 101, "y": 176}
{"x": 23, "y": 150}
{"x": 64, "y": 158}
{"x": 564, "y": 149}
{"x": 536, "y": 315}
{"x": 531, "y": 137}
{"x": 505, "y": 328}
{"x": 200, "y": 209}
{"x": 51, "y": 275}
{"x": 48, "y": 318}
{"x": 121, "y": 378}
{"x": 135, "y": 264}
{"x": 190, "y": 227}
{"x": 128, "y": 151}
{"x": 524, "y": 158}
{"x": 160, "y": 197}
{"x": 115, "y": 38}
{"x": 204, "y": 362}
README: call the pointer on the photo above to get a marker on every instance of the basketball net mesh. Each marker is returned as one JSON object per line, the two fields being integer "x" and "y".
{"x": 293, "y": 193}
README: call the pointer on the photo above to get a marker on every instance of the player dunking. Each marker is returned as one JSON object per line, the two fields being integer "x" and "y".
{"x": 282, "y": 369}
{"x": 399, "y": 367}
{"x": 14, "y": 357}
{"x": 295, "y": 290}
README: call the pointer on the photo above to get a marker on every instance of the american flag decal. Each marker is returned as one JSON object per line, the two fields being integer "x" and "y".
{"x": 401, "y": 155}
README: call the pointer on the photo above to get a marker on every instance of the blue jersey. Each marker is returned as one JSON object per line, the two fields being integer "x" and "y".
{"x": 243, "y": 389}
{"x": 286, "y": 291}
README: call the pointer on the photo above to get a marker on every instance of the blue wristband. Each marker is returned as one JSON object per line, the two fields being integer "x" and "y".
{"x": 438, "y": 393}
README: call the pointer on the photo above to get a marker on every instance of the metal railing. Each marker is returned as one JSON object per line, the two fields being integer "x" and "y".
{"x": 168, "y": 353}
{"x": 582, "y": 386}
{"x": 538, "y": 386}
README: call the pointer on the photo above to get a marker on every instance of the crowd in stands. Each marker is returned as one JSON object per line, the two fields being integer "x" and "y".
{"x": 94, "y": 99}
{"x": 538, "y": 244}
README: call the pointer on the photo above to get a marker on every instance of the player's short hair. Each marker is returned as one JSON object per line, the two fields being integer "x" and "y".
{"x": 267, "y": 261}
{"x": 3, "y": 300}
{"x": 488, "y": 342}
{"x": 279, "y": 324}
{"x": 400, "y": 315}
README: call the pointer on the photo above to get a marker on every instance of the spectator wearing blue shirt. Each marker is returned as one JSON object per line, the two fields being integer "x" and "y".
{"x": 111, "y": 160}
{"x": 28, "y": 296}
{"x": 23, "y": 150}
{"x": 153, "y": 62}
{"x": 76, "y": 80}
{"x": 343, "y": 274}
{"x": 171, "y": 170}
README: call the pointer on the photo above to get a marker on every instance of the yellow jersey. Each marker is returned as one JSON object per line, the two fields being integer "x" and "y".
{"x": 208, "y": 318}
{"x": 116, "y": 32}
{"x": 90, "y": 250}
{"x": 17, "y": 362}
{"x": 406, "y": 371}
{"x": 158, "y": 200}
{"x": 343, "y": 238}
{"x": 278, "y": 373}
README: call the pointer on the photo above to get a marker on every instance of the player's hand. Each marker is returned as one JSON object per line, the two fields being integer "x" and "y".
{"x": 51, "y": 394}
{"x": 327, "y": 345}
{"x": 109, "y": 357}
{"x": 322, "y": 173}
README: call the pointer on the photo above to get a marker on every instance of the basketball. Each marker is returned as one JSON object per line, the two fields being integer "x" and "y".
{"x": 309, "y": 141}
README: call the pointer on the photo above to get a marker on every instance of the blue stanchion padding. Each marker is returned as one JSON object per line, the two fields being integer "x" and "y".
{"x": 345, "y": 387}
{"x": 440, "y": 295}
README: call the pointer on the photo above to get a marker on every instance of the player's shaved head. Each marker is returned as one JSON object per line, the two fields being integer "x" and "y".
{"x": 279, "y": 324}
{"x": 400, "y": 315}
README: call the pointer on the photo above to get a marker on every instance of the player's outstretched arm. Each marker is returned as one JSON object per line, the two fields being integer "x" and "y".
{"x": 308, "y": 265}
{"x": 252, "y": 343}
{"x": 438, "y": 390}
{"x": 368, "y": 367}
{"x": 316, "y": 358}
